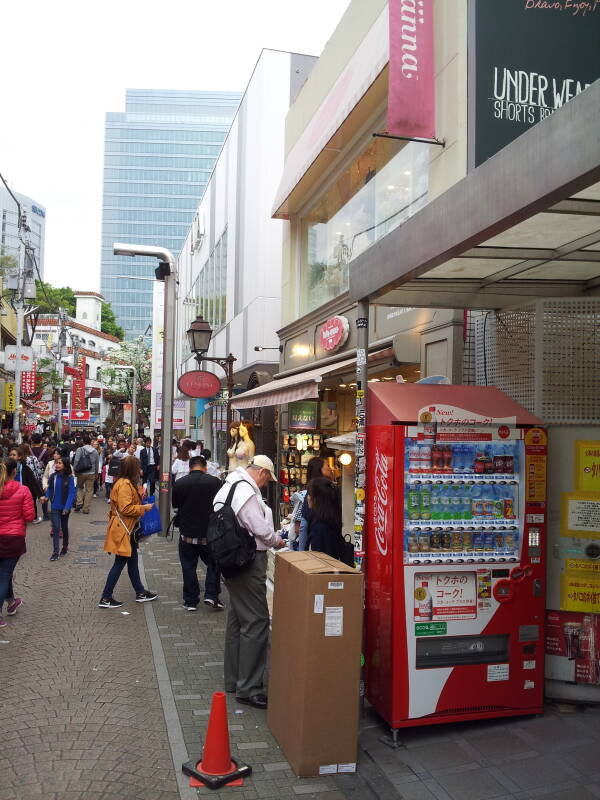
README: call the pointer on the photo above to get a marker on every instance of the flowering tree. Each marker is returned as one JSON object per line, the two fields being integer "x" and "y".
{"x": 118, "y": 383}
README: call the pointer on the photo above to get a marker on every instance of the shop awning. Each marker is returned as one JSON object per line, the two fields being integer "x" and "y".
{"x": 286, "y": 390}
{"x": 525, "y": 223}
{"x": 369, "y": 59}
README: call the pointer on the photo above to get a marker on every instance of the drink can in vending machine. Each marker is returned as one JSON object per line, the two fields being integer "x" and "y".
{"x": 467, "y": 539}
{"x": 478, "y": 541}
{"x": 436, "y": 540}
{"x": 446, "y": 540}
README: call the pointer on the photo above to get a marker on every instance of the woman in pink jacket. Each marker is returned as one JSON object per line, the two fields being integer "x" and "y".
{"x": 16, "y": 510}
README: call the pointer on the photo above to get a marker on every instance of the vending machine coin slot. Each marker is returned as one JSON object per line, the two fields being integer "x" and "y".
{"x": 529, "y": 649}
{"x": 503, "y": 591}
{"x": 537, "y": 588}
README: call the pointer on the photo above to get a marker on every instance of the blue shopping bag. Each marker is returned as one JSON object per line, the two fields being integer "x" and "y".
{"x": 150, "y": 521}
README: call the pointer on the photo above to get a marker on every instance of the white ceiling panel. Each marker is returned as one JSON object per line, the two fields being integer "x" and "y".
{"x": 562, "y": 271}
{"x": 546, "y": 230}
{"x": 469, "y": 268}
{"x": 591, "y": 193}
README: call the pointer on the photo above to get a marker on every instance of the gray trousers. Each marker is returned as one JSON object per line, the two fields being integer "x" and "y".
{"x": 247, "y": 634}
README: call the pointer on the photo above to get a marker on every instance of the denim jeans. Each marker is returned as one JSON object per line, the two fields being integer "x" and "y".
{"x": 116, "y": 570}
{"x": 188, "y": 556}
{"x": 60, "y": 522}
{"x": 107, "y": 489}
{"x": 7, "y": 567}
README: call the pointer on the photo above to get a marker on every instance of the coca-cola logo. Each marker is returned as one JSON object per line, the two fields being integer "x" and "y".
{"x": 380, "y": 505}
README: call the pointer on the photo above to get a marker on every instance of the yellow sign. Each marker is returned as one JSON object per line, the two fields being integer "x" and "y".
{"x": 535, "y": 466}
{"x": 580, "y": 515}
{"x": 10, "y": 396}
{"x": 587, "y": 466}
{"x": 580, "y": 592}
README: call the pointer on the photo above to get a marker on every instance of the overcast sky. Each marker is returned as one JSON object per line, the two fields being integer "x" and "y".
{"x": 65, "y": 63}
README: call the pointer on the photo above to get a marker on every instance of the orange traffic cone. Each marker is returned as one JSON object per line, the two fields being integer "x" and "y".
{"x": 217, "y": 767}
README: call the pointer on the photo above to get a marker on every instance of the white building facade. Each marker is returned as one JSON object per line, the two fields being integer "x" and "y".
{"x": 84, "y": 331}
{"x": 229, "y": 269}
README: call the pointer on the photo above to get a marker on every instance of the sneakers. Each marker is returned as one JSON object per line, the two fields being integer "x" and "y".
{"x": 54, "y": 557}
{"x": 216, "y": 604}
{"x": 94, "y": 495}
{"x": 85, "y": 512}
{"x": 145, "y": 597}
{"x": 2, "y": 622}
{"x": 37, "y": 521}
{"x": 14, "y": 604}
{"x": 109, "y": 602}
{"x": 189, "y": 607}
{"x": 64, "y": 551}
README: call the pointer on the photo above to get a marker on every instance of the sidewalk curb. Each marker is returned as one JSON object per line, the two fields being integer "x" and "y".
{"x": 179, "y": 752}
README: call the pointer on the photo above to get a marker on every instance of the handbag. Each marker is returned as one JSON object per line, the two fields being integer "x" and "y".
{"x": 150, "y": 522}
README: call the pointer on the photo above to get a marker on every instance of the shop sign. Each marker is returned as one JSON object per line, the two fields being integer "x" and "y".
{"x": 29, "y": 381}
{"x": 178, "y": 413}
{"x": 411, "y": 83}
{"x": 302, "y": 415}
{"x": 587, "y": 466}
{"x": 10, "y": 396}
{"x": 530, "y": 58}
{"x": 78, "y": 387}
{"x": 83, "y": 415}
{"x": 10, "y": 357}
{"x": 199, "y": 383}
{"x": 127, "y": 408}
{"x": 334, "y": 333}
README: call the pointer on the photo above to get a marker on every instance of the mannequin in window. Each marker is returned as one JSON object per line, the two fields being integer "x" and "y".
{"x": 234, "y": 438}
{"x": 244, "y": 452}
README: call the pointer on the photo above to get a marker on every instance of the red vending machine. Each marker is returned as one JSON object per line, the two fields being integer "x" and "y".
{"x": 456, "y": 518}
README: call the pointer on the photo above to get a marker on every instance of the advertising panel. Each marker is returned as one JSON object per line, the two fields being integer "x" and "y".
{"x": 587, "y": 466}
{"x": 78, "y": 388}
{"x": 530, "y": 58}
{"x": 573, "y": 640}
{"x": 178, "y": 413}
{"x": 10, "y": 396}
{"x": 303, "y": 415}
{"x": 411, "y": 87}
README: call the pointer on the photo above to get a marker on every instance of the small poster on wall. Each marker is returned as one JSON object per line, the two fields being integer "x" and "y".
{"x": 302, "y": 415}
{"x": 329, "y": 416}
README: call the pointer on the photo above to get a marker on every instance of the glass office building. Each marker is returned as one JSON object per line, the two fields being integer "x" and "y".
{"x": 35, "y": 214}
{"x": 158, "y": 157}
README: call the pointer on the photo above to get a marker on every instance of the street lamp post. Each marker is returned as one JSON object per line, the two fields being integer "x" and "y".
{"x": 164, "y": 272}
{"x": 199, "y": 335}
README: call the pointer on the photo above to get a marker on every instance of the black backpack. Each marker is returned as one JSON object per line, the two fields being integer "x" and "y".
{"x": 231, "y": 546}
{"x": 84, "y": 463}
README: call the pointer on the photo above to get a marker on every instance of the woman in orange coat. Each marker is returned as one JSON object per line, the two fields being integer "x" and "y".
{"x": 126, "y": 508}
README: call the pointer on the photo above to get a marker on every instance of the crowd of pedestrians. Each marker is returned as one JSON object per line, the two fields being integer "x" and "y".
{"x": 56, "y": 478}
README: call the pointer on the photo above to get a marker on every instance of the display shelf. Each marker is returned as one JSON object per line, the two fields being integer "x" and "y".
{"x": 476, "y": 523}
{"x": 415, "y": 478}
{"x": 467, "y": 557}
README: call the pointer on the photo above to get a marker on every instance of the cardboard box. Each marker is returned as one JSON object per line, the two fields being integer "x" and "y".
{"x": 314, "y": 672}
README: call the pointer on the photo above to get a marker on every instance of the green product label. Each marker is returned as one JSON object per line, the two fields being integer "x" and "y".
{"x": 431, "y": 628}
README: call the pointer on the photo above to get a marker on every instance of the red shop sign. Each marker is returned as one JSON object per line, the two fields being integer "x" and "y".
{"x": 199, "y": 383}
{"x": 333, "y": 333}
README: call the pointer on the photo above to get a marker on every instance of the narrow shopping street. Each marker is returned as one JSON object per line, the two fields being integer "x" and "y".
{"x": 108, "y": 704}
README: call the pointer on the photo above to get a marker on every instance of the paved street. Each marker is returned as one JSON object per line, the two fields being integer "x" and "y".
{"x": 106, "y": 704}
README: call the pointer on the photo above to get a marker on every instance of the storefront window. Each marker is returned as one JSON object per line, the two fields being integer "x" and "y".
{"x": 376, "y": 193}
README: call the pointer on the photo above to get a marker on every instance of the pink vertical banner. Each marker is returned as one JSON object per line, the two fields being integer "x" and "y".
{"x": 411, "y": 82}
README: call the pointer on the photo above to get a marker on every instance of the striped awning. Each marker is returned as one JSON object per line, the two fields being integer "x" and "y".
{"x": 286, "y": 390}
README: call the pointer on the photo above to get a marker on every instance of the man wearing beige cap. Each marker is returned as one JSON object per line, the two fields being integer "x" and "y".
{"x": 247, "y": 634}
